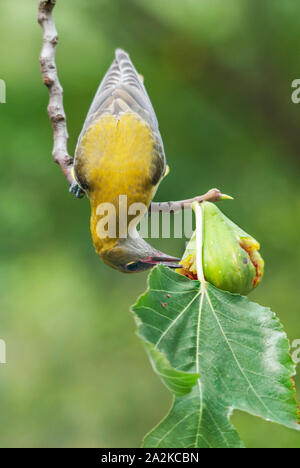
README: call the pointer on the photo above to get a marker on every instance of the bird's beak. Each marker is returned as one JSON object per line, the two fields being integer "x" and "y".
{"x": 162, "y": 259}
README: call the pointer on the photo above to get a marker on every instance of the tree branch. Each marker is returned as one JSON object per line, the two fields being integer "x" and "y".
{"x": 212, "y": 195}
{"x": 50, "y": 78}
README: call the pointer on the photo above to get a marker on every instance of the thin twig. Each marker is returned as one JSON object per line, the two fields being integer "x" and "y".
{"x": 50, "y": 78}
{"x": 212, "y": 195}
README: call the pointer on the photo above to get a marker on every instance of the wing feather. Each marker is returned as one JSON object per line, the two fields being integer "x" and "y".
{"x": 122, "y": 91}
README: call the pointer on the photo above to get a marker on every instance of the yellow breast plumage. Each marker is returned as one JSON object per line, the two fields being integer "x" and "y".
{"x": 117, "y": 156}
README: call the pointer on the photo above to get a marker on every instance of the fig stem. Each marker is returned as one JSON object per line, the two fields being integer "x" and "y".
{"x": 199, "y": 213}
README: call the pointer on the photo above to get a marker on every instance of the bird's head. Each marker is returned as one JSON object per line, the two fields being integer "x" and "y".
{"x": 133, "y": 255}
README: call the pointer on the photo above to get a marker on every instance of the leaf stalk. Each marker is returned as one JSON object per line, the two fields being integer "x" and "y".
{"x": 199, "y": 214}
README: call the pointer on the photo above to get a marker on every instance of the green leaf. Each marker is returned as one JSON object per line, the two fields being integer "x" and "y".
{"x": 180, "y": 383}
{"x": 216, "y": 352}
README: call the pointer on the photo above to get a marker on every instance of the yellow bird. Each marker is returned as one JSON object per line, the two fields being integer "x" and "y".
{"x": 120, "y": 153}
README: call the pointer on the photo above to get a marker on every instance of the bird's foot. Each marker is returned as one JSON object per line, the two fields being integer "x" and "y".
{"x": 76, "y": 190}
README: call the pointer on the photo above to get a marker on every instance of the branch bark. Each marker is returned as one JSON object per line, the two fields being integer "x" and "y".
{"x": 50, "y": 78}
{"x": 212, "y": 195}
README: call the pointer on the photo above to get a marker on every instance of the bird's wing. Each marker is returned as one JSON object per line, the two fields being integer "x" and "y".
{"x": 122, "y": 91}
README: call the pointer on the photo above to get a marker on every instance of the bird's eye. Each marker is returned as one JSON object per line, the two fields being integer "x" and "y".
{"x": 133, "y": 266}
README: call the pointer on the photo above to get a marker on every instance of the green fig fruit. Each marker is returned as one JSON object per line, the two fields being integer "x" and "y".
{"x": 231, "y": 260}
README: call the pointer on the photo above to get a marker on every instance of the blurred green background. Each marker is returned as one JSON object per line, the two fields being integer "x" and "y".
{"x": 219, "y": 75}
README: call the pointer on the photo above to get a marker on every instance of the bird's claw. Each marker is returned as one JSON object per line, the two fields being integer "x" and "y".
{"x": 76, "y": 190}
